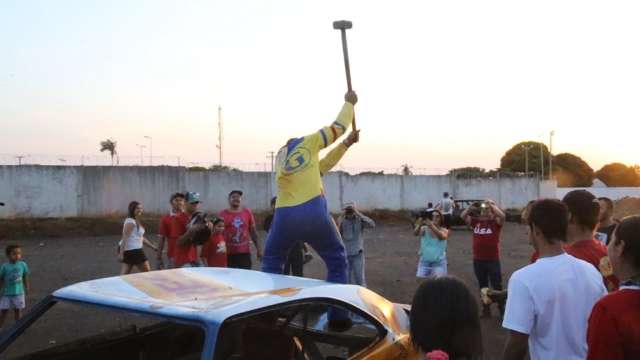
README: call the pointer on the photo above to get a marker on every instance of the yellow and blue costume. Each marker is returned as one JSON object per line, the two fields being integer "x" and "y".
{"x": 301, "y": 209}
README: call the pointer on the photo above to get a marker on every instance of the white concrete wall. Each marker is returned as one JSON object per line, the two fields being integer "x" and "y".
{"x": 614, "y": 193}
{"x": 56, "y": 191}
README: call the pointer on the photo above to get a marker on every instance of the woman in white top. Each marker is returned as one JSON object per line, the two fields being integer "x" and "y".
{"x": 130, "y": 251}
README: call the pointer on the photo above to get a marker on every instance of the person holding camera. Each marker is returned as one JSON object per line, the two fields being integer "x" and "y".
{"x": 433, "y": 244}
{"x": 487, "y": 220}
{"x": 186, "y": 253}
{"x": 351, "y": 224}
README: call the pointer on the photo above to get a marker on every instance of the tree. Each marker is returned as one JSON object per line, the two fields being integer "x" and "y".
{"x": 223, "y": 168}
{"x": 468, "y": 172}
{"x": 381, "y": 172}
{"x": 110, "y": 146}
{"x": 515, "y": 158}
{"x": 571, "y": 171}
{"x": 406, "y": 170}
{"x": 618, "y": 175}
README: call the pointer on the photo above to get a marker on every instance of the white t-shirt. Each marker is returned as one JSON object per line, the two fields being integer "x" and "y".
{"x": 135, "y": 238}
{"x": 551, "y": 300}
{"x": 446, "y": 206}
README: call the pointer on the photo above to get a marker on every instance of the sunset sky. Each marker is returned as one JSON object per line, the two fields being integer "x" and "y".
{"x": 442, "y": 84}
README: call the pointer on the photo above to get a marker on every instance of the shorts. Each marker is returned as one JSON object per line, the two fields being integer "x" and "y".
{"x": 239, "y": 261}
{"x": 134, "y": 257}
{"x": 12, "y": 302}
{"x": 431, "y": 268}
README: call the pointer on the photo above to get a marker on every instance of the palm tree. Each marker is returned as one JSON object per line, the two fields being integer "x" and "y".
{"x": 110, "y": 146}
{"x": 406, "y": 170}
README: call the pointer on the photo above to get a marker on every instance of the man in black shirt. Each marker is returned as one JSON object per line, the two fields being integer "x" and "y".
{"x": 607, "y": 224}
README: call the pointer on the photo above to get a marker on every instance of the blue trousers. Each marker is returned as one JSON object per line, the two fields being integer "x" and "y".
{"x": 309, "y": 222}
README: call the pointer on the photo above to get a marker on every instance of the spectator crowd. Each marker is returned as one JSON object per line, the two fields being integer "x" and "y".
{"x": 578, "y": 298}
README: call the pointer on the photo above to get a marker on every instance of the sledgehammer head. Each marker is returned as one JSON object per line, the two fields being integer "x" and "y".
{"x": 342, "y": 25}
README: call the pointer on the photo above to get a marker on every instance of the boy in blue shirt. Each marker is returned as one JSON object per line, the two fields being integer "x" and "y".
{"x": 14, "y": 282}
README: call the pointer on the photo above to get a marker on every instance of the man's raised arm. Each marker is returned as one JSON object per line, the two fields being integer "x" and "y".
{"x": 329, "y": 134}
{"x": 335, "y": 155}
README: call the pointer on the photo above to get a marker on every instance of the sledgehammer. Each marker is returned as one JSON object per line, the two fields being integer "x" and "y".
{"x": 343, "y": 25}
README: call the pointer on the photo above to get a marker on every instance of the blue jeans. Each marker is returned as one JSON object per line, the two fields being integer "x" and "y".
{"x": 432, "y": 268}
{"x": 309, "y": 222}
{"x": 355, "y": 269}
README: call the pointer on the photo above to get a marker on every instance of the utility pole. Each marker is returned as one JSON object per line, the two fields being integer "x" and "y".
{"x": 541, "y": 162}
{"x": 551, "y": 134}
{"x": 526, "y": 158}
{"x": 219, "y": 146}
{"x": 141, "y": 158}
{"x": 20, "y": 157}
{"x": 271, "y": 155}
{"x": 150, "y": 149}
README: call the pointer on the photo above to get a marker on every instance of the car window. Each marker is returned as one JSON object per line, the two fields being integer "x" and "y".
{"x": 300, "y": 331}
{"x": 75, "y": 331}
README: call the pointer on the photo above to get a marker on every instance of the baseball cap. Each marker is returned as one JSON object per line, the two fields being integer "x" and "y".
{"x": 239, "y": 192}
{"x": 349, "y": 204}
{"x": 192, "y": 197}
{"x": 176, "y": 195}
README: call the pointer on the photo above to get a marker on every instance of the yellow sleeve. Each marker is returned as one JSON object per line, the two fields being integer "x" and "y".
{"x": 331, "y": 159}
{"x": 329, "y": 134}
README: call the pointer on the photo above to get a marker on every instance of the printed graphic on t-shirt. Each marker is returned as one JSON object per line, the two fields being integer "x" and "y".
{"x": 481, "y": 230}
{"x": 602, "y": 237}
{"x": 15, "y": 276}
{"x": 237, "y": 224}
{"x": 221, "y": 248}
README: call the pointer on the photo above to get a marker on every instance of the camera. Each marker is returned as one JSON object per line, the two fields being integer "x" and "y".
{"x": 349, "y": 211}
{"x": 426, "y": 214}
{"x": 201, "y": 232}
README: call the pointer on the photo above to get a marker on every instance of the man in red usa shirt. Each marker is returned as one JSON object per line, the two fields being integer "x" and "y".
{"x": 487, "y": 220}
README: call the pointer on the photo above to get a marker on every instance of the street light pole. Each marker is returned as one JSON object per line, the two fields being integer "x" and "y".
{"x": 271, "y": 155}
{"x": 141, "y": 158}
{"x": 526, "y": 158}
{"x": 150, "y": 149}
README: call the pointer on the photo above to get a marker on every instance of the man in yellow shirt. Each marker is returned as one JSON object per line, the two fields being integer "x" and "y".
{"x": 301, "y": 209}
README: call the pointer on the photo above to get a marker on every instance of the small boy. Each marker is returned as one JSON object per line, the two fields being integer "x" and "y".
{"x": 14, "y": 281}
{"x": 214, "y": 251}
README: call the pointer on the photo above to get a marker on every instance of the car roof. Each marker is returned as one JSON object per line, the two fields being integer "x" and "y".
{"x": 212, "y": 295}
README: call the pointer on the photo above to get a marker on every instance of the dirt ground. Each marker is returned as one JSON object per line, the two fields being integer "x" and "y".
{"x": 391, "y": 259}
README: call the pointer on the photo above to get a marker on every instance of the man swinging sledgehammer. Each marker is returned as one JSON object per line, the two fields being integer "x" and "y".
{"x": 301, "y": 209}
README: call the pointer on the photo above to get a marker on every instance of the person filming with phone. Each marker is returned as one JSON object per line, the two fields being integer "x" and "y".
{"x": 486, "y": 220}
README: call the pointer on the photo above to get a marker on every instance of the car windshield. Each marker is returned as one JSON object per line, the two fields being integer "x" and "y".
{"x": 300, "y": 331}
{"x": 74, "y": 331}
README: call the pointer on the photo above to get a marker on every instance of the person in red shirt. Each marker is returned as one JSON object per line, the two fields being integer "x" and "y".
{"x": 486, "y": 219}
{"x": 186, "y": 256}
{"x": 239, "y": 226}
{"x": 584, "y": 214}
{"x": 214, "y": 251}
{"x": 614, "y": 325}
{"x": 170, "y": 230}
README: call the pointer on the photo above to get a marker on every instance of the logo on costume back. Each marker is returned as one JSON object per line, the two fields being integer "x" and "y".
{"x": 298, "y": 160}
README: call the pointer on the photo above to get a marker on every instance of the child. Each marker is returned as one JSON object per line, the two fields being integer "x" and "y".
{"x": 214, "y": 251}
{"x": 15, "y": 283}
{"x": 614, "y": 325}
{"x": 444, "y": 320}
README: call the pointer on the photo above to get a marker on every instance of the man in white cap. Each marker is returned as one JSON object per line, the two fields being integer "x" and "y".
{"x": 351, "y": 225}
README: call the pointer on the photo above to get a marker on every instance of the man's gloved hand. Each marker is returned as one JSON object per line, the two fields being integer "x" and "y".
{"x": 351, "y": 97}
